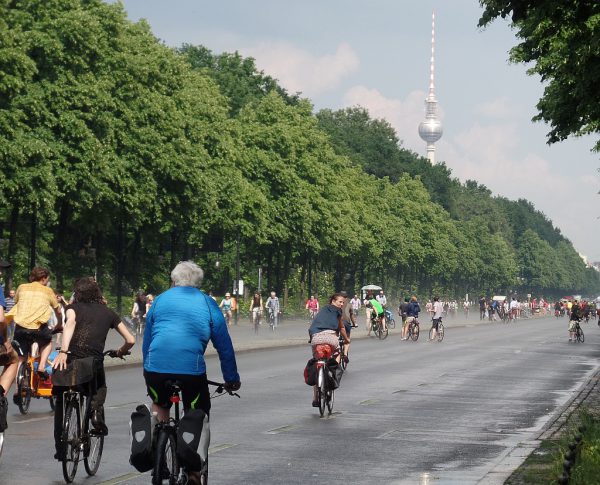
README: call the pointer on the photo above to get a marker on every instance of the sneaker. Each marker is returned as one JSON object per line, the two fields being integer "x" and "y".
{"x": 3, "y": 414}
{"x": 315, "y": 404}
{"x": 16, "y": 399}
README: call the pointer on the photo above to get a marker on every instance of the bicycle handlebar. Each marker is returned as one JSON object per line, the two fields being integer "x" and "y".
{"x": 115, "y": 354}
{"x": 222, "y": 387}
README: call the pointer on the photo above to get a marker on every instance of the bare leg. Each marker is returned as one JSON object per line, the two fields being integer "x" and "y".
{"x": 8, "y": 375}
{"x": 44, "y": 356}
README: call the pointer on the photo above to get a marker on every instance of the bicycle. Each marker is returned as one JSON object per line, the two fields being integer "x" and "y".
{"x": 256, "y": 316}
{"x": 389, "y": 318}
{"x": 166, "y": 462}
{"x": 77, "y": 433}
{"x": 343, "y": 362}
{"x": 326, "y": 384}
{"x": 377, "y": 327}
{"x": 440, "y": 331}
{"x": 579, "y": 336}
{"x": 413, "y": 330}
{"x": 272, "y": 320}
{"x": 29, "y": 383}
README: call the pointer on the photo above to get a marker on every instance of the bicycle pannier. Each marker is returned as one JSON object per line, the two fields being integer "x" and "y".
{"x": 141, "y": 427}
{"x": 79, "y": 371}
{"x": 333, "y": 374}
{"x": 310, "y": 372}
{"x": 188, "y": 439}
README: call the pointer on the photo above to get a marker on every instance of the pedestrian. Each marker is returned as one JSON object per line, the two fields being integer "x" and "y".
{"x": 10, "y": 303}
{"x": 381, "y": 298}
{"x": 482, "y": 307}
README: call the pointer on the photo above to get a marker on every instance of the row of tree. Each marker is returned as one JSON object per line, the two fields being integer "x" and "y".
{"x": 121, "y": 156}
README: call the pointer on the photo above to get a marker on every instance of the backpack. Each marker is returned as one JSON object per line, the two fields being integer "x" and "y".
{"x": 310, "y": 372}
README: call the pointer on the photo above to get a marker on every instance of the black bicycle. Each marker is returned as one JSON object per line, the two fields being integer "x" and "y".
{"x": 378, "y": 328}
{"x": 579, "y": 336}
{"x": 166, "y": 463}
{"x": 78, "y": 435}
{"x": 342, "y": 351}
{"x": 440, "y": 331}
{"x": 413, "y": 330}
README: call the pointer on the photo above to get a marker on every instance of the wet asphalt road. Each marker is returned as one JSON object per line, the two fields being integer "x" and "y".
{"x": 405, "y": 412}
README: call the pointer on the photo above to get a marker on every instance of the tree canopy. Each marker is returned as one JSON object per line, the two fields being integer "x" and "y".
{"x": 121, "y": 156}
{"x": 561, "y": 39}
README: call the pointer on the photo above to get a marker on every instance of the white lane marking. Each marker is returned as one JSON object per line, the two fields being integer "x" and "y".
{"x": 33, "y": 420}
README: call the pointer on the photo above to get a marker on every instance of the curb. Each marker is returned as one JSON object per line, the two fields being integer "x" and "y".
{"x": 514, "y": 458}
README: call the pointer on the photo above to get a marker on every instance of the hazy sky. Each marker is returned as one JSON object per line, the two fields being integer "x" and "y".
{"x": 376, "y": 54}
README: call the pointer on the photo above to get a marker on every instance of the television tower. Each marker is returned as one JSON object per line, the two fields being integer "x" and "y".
{"x": 430, "y": 130}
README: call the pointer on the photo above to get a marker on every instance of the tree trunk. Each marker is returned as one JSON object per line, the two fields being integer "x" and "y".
{"x": 59, "y": 238}
{"x": 33, "y": 240}
{"x": 12, "y": 245}
{"x": 120, "y": 264}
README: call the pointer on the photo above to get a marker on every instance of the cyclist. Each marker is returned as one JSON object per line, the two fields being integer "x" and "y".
{"x": 348, "y": 321}
{"x": 178, "y": 328}
{"x": 326, "y": 328}
{"x": 273, "y": 307}
{"x": 8, "y": 359}
{"x": 574, "y": 317}
{"x": 377, "y": 312}
{"x": 356, "y": 304}
{"x": 402, "y": 311}
{"x": 412, "y": 312}
{"x": 256, "y": 308}
{"x": 312, "y": 305}
{"x": 226, "y": 305}
{"x": 88, "y": 323}
{"x": 438, "y": 309}
{"x": 34, "y": 304}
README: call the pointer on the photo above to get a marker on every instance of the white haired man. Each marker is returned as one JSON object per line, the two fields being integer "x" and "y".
{"x": 179, "y": 326}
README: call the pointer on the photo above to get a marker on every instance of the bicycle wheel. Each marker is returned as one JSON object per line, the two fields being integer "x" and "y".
{"x": 580, "y": 336}
{"x": 321, "y": 391}
{"x": 329, "y": 400}
{"x": 1, "y": 443}
{"x": 414, "y": 332}
{"x": 391, "y": 323}
{"x": 440, "y": 335}
{"x": 93, "y": 452}
{"x": 383, "y": 332}
{"x": 70, "y": 439}
{"x": 24, "y": 388}
{"x": 166, "y": 466}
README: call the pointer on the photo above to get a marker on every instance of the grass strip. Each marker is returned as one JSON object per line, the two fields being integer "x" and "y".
{"x": 545, "y": 464}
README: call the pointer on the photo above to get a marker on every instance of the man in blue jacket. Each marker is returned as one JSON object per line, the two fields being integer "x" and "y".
{"x": 179, "y": 325}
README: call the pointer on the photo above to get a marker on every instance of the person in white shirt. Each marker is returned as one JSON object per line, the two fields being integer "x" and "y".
{"x": 381, "y": 299}
{"x": 438, "y": 309}
{"x": 514, "y": 308}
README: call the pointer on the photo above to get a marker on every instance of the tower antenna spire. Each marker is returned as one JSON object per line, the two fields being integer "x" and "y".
{"x": 431, "y": 130}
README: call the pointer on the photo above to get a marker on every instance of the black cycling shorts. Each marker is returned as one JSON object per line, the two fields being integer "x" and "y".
{"x": 194, "y": 390}
{"x": 26, "y": 336}
{"x": 435, "y": 322}
{"x": 348, "y": 327}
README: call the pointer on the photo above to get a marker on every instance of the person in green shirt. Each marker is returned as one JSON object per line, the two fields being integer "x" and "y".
{"x": 376, "y": 312}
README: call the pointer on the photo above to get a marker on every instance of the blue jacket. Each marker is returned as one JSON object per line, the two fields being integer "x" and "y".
{"x": 413, "y": 309}
{"x": 178, "y": 328}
